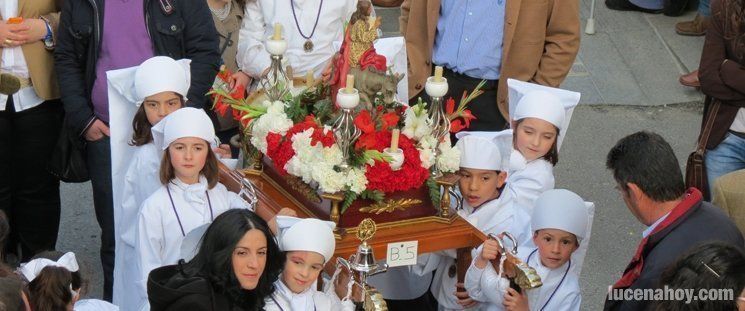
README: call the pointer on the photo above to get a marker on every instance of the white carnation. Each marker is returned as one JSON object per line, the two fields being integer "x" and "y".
{"x": 449, "y": 159}
{"x": 273, "y": 121}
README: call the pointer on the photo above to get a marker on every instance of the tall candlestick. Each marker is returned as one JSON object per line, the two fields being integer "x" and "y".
{"x": 277, "y": 32}
{"x": 350, "y": 84}
{"x": 438, "y": 74}
{"x": 309, "y": 81}
{"x": 394, "y": 139}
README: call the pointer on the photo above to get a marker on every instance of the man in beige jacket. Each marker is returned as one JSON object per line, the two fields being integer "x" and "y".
{"x": 528, "y": 40}
{"x": 30, "y": 121}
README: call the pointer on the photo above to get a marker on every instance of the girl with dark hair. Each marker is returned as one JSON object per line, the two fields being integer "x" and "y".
{"x": 235, "y": 269}
{"x": 716, "y": 266}
{"x": 189, "y": 197}
{"x": 540, "y": 118}
{"x": 56, "y": 283}
{"x": 156, "y": 98}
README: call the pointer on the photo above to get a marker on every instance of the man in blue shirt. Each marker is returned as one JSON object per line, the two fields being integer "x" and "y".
{"x": 492, "y": 40}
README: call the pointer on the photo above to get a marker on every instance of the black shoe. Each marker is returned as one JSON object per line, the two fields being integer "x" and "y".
{"x": 675, "y": 7}
{"x": 625, "y": 5}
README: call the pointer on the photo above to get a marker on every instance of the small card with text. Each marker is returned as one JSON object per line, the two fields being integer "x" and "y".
{"x": 402, "y": 253}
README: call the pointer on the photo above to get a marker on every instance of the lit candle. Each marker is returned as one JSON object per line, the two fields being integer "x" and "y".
{"x": 309, "y": 78}
{"x": 277, "y": 32}
{"x": 394, "y": 139}
{"x": 438, "y": 74}
{"x": 350, "y": 84}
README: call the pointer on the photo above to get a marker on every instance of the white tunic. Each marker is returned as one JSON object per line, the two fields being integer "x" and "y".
{"x": 159, "y": 233}
{"x": 486, "y": 286}
{"x": 526, "y": 180}
{"x": 258, "y": 25}
{"x": 310, "y": 300}
{"x": 140, "y": 181}
{"x": 492, "y": 217}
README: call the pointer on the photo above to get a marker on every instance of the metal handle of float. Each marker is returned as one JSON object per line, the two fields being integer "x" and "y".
{"x": 248, "y": 191}
{"x": 501, "y": 244}
{"x": 458, "y": 198}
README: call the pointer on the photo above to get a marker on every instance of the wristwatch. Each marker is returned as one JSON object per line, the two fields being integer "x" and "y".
{"x": 49, "y": 38}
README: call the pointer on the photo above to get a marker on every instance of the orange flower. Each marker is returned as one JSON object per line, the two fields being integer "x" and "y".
{"x": 390, "y": 120}
{"x": 363, "y": 121}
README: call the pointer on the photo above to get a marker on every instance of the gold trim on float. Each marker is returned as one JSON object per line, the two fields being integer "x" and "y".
{"x": 252, "y": 172}
{"x": 407, "y": 222}
{"x": 298, "y": 185}
{"x": 390, "y": 206}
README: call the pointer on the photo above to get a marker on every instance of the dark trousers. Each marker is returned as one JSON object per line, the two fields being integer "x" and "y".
{"x": 484, "y": 107}
{"x": 99, "y": 168}
{"x": 29, "y": 194}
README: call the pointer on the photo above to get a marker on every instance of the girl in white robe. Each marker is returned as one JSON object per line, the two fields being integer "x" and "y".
{"x": 559, "y": 223}
{"x": 155, "y": 98}
{"x": 484, "y": 205}
{"x": 308, "y": 244}
{"x": 189, "y": 197}
{"x": 540, "y": 119}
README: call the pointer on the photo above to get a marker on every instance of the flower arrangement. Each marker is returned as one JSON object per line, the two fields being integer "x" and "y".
{"x": 296, "y": 134}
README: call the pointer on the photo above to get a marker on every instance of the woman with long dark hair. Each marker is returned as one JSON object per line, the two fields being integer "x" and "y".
{"x": 235, "y": 268}
{"x": 722, "y": 78}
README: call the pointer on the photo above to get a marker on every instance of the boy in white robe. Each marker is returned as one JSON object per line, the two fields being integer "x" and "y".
{"x": 308, "y": 245}
{"x": 559, "y": 224}
{"x": 316, "y": 21}
{"x": 189, "y": 197}
{"x": 485, "y": 206}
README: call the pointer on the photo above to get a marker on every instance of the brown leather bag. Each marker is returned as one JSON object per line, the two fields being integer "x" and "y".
{"x": 695, "y": 168}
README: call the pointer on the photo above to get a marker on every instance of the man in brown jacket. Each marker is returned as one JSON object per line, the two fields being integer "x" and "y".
{"x": 528, "y": 40}
{"x": 30, "y": 121}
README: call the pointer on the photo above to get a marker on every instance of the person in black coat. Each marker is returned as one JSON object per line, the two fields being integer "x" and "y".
{"x": 651, "y": 184}
{"x": 235, "y": 269}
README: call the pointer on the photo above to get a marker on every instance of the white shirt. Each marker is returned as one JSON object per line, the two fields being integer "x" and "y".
{"x": 284, "y": 299}
{"x": 94, "y": 305}
{"x": 258, "y": 25}
{"x": 159, "y": 235}
{"x": 526, "y": 180}
{"x": 14, "y": 62}
{"x": 649, "y": 230}
{"x": 140, "y": 182}
{"x": 485, "y": 285}
{"x": 492, "y": 217}
{"x": 738, "y": 125}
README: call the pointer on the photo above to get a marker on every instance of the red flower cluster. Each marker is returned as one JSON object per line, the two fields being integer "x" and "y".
{"x": 279, "y": 148}
{"x": 459, "y": 119}
{"x": 381, "y": 177}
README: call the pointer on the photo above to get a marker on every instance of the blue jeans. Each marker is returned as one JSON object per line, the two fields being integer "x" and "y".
{"x": 703, "y": 8}
{"x": 728, "y": 156}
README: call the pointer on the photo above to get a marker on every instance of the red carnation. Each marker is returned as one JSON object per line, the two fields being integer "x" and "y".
{"x": 363, "y": 121}
{"x": 390, "y": 120}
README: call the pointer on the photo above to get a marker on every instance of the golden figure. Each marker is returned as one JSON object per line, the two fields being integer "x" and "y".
{"x": 363, "y": 32}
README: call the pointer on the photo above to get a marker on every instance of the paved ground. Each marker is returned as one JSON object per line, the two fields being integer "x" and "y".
{"x": 627, "y": 73}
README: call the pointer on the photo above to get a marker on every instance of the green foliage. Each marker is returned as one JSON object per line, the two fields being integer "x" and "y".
{"x": 434, "y": 192}
{"x": 375, "y": 195}
{"x": 349, "y": 198}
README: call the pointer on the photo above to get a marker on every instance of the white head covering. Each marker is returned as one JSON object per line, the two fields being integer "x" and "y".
{"x": 31, "y": 269}
{"x": 560, "y": 209}
{"x": 307, "y": 234}
{"x": 161, "y": 74}
{"x": 185, "y": 122}
{"x": 478, "y": 151}
{"x": 530, "y": 100}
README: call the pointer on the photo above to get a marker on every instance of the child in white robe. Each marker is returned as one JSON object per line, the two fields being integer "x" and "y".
{"x": 485, "y": 205}
{"x": 48, "y": 272}
{"x": 540, "y": 119}
{"x": 190, "y": 195}
{"x": 155, "y": 98}
{"x": 559, "y": 225}
{"x": 308, "y": 245}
